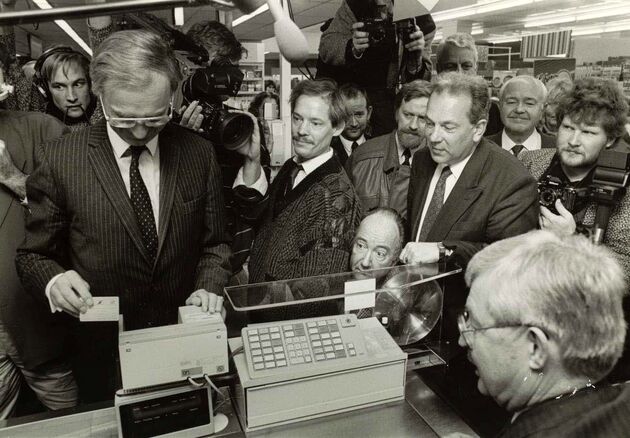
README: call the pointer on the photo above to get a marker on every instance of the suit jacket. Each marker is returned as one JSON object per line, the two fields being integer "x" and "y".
{"x": 82, "y": 219}
{"x": 546, "y": 140}
{"x": 378, "y": 176}
{"x": 340, "y": 151}
{"x": 30, "y": 327}
{"x": 603, "y": 412}
{"x": 494, "y": 198}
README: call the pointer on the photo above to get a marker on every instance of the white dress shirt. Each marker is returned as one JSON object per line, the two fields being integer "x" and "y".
{"x": 261, "y": 185}
{"x": 533, "y": 142}
{"x": 347, "y": 144}
{"x": 149, "y": 166}
{"x": 456, "y": 171}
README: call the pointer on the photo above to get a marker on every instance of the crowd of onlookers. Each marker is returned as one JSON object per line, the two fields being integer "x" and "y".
{"x": 396, "y": 161}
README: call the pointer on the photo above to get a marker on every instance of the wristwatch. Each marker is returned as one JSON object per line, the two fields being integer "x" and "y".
{"x": 445, "y": 252}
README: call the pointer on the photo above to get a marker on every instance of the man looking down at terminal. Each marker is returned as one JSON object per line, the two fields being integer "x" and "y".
{"x": 544, "y": 325}
{"x": 131, "y": 207}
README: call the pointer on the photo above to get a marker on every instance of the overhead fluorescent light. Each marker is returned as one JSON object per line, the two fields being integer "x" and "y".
{"x": 63, "y": 24}
{"x": 505, "y": 39}
{"x": 243, "y": 18}
{"x": 618, "y": 26}
{"x": 178, "y": 16}
{"x": 476, "y": 29}
{"x": 481, "y": 7}
{"x": 577, "y": 14}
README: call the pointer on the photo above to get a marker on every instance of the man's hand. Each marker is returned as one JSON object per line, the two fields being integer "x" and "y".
{"x": 192, "y": 117}
{"x": 416, "y": 41}
{"x": 71, "y": 293}
{"x": 561, "y": 224}
{"x": 209, "y": 302}
{"x": 420, "y": 252}
{"x": 10, "y": 176}
{"x": 360, "y": 39}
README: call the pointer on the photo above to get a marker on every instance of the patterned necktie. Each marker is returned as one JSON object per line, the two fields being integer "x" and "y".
{"x": 354, "y": 146}
{"x": 407, "y": 154}
{"x": 437, "y": 200}
{"x": 141, "y": 202}
{"x": 516, "y": 149}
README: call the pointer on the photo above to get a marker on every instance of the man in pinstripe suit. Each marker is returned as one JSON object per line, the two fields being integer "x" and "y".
{"x": 130, "y": 208}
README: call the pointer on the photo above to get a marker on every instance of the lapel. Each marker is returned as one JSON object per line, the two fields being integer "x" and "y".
{"x": 337, "y": 146}
{"x": 463, "y": 195}
{"x": 391, "y": 161}
{"x": 103, "y": 161}
{"x": 426, "y": 167}
{"x": 169, "y": 167}
{"x": 7, "y": 197}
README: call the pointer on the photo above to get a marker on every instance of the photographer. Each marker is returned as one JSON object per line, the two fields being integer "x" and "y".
{"x": 378, "y": 54}
{"x": 592, "y": 117}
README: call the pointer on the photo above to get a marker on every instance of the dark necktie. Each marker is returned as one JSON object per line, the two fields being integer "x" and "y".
{"x": 437, "y": 200}
{"x": 516, "y": 149}
{"x": 141, "y": 202}
{"x": 354, "y": 145}
{"x": 407, "y": 154}
{"x": 294, "y": 169}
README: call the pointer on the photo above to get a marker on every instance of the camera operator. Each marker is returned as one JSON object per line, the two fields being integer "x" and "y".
{"x": 592, "y": 117}
{"x": 378, "y": 54}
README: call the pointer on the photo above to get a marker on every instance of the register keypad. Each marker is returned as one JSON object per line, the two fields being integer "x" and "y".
{"x": 304, "y": 342}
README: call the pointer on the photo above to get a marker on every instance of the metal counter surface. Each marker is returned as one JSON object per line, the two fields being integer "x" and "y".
{"x": 422, "y": 413}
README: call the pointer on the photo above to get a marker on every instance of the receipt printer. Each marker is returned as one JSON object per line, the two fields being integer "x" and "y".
{"x": 173, "y": 353}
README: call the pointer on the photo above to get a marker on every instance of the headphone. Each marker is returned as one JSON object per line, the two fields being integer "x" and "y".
{"x": 38, "y": 79}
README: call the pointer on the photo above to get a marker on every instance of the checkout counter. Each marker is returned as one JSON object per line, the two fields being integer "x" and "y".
{"x": 404, "y": 303}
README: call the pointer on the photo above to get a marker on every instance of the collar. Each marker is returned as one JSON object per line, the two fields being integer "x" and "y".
{"x": 532, "y": 143}
{"x": 348, "y": 143}
{"x": 120, "y": 145}
{"x": 402, "y": 149}
{"x": 310, "y": 165}
{"x": 457, "y": 168}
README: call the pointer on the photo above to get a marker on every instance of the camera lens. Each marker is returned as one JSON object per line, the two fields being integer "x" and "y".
{"x": 547, "y": 197}
{"x": 235, "y": 130}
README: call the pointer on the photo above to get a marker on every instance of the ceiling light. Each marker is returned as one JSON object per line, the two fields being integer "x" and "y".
{"x": 481, "y": 7}
{"x": 243, "y": 18}
{"x": 577, "y": 14}
{"x": 43, "y": 4}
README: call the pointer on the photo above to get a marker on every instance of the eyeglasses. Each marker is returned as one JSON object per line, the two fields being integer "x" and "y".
{"x": 130, "y": 122}
{"x": 466, "y": 330}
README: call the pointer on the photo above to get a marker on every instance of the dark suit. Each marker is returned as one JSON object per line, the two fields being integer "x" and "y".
{"x": 340, "y": 151}
{"x": 603, "y": 412}
{"x": 546, "y": 140}
{"x": 29, "y": 325}
{"x": 82, "y": 219}
{"x": 494, "y": 198}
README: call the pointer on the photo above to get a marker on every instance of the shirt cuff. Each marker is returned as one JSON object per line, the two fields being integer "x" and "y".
{"x": 53, "y": 308}
{"x": 261, "y": 185}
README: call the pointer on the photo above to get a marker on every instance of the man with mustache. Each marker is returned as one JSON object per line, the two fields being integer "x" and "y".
{"x": 380, "y": 168}
{"x": 306, "y": 220}
{"x": 521, "y": 104}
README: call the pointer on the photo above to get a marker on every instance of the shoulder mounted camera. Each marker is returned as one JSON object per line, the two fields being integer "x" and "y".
{"x": 209, "y": 84}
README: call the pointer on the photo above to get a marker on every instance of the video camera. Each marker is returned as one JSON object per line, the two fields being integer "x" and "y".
{"x": 210, "y": 85}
